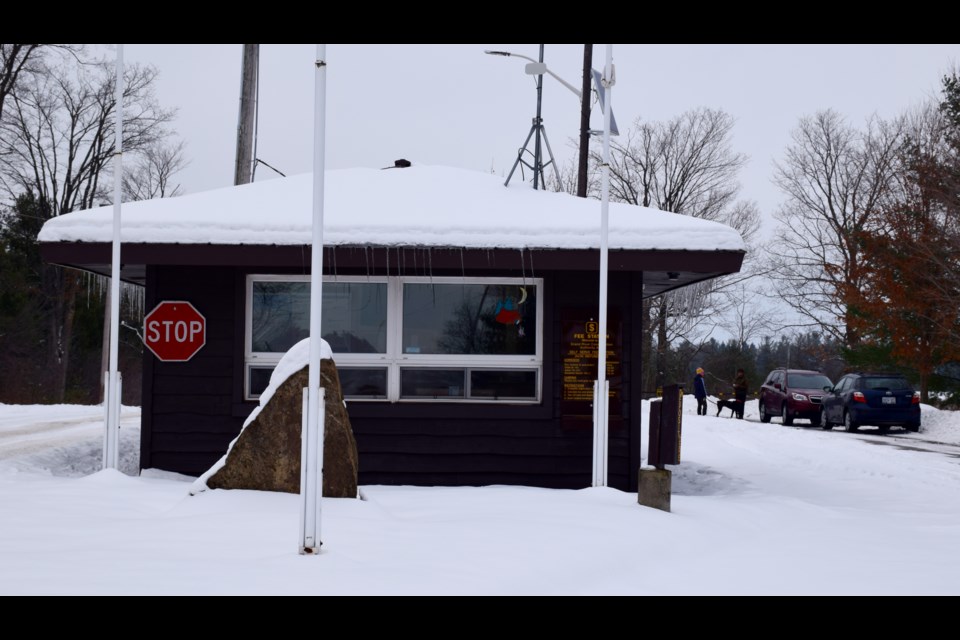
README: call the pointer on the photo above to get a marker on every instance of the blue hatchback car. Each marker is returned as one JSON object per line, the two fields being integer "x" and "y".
{"x": 881, "y": 400}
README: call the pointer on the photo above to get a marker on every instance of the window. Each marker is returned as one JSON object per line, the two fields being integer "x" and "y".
{"x": 406, "y": 338}
{"x": 886, "y": 384}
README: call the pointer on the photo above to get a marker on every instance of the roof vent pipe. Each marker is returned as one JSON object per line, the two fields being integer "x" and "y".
{"x": 402, "y": 163}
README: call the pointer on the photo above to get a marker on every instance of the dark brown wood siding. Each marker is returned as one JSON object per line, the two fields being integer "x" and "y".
{"x": 189, "y": 406}
{"x": 192, "y": 410}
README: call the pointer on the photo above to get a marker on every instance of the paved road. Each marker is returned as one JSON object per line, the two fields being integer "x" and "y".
{"x": 899, "y": 438}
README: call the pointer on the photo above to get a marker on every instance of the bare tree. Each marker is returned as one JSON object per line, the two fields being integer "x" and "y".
{"x": 744, "y": 319}
{"x": 57, "y": 140}
{"x": 152, "y": 175}
{"x": 686, "y": 165}
{"x": 58, "y": 134}
{"x": 16, "y": 61}
{"x": 835, "y": 178}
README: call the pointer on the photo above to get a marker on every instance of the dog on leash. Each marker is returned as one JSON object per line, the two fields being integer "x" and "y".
{"x": 735, "y": 406}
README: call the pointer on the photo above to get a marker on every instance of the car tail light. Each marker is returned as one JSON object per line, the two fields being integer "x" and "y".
{"x": 916, "y": 398}
{"x": 859, "y": 397}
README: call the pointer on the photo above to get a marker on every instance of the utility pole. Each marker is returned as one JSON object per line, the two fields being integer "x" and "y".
{"x": 246, "y": 122}
{"x": 585, "y": 121}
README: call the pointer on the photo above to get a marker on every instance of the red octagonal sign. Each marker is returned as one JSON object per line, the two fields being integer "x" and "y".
{"x": 175, "y": 331}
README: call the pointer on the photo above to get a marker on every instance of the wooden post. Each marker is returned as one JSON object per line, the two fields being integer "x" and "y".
{"x": 585, "y": 95}
{"x": 246, "y": 122}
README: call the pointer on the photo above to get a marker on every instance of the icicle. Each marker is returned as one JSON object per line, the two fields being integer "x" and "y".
{"x": 387, "y": 261}
{"x": 366, "y": 262}
{"x": 433, "y": 289}
{"x": 399, "y": 252}
{"x": 463, "y": 267}
{"x": 414, "y": 261}
{"x": 333, "y": 260}
{"x": 523, "y": 268}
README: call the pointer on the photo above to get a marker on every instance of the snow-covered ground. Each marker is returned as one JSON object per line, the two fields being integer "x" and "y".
{"x": 757, "y": 509}
{"x": 64, "y": 439}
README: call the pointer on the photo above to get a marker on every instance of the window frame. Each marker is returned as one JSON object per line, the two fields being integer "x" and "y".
{"x": 394, "y": 360}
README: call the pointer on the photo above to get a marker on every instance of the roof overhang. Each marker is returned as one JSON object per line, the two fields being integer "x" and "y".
{"x": 663, "y": 270}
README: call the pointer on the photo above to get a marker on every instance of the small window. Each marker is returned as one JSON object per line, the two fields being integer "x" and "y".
{"x": 363, "y": 383}
{"x": 258, "y": 378}
{"x": 503, "y": 384}
{"x": 432, "y": 383}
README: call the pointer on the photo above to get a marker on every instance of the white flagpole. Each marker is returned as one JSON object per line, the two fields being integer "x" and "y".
{"x": 601, "y": 392}
{"x": 111, "y": 398}
{"x": 311, "y": 458}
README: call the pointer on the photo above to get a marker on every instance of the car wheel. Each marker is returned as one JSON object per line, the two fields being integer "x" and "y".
{"x": 817, "y": 420}
{"x": 883, "y": 429}
{"x": 825, "y": 424}
{"x": 787, "y": 419}
{"x": 848, "y": 423}
{"x": 764, "y": 416}
{"x": 912, "y": 427}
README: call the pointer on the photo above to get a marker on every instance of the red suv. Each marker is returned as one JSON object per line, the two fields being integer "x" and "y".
{"x": 794, "y": 393}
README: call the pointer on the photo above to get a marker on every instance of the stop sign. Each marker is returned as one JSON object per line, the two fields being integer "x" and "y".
{"x": 174, "y": 331}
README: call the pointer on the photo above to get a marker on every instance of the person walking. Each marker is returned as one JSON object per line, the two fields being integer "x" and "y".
{"x": 740, "y": 392}
{"x": 700, "y": 392}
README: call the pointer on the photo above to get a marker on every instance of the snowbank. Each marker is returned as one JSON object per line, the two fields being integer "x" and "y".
{"x": 942, "y": 426}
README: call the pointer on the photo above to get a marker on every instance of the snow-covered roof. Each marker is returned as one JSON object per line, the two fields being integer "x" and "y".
{"x": 420, "y": 206}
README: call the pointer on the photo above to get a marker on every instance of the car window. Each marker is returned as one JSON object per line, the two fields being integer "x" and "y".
{"x": 778, "y": 378}
{"x": 842, "y": 385}
{"x": 808, "y": 381}
{"x": 886, "y": 384}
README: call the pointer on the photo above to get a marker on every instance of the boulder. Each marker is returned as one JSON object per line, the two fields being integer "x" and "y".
{"x": 266, "y": 455}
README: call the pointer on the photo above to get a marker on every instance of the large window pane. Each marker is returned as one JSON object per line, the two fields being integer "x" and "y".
{"x": 354, "y": 316}
{"x": 363, "y": 383}
{"x": 281, "y": 315}
{"x": 432, "y": 383}
{"x": 477, "y": 319}
{"x": 503, "y": 384}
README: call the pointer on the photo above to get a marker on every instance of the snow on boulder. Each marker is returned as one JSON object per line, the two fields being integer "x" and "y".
{"x": 266, "y": 454}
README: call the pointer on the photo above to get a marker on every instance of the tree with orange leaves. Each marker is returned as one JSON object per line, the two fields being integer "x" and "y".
{"x": 908, "y": 302}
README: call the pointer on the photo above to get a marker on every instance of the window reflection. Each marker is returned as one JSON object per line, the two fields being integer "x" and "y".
{"x": 469, "y": 319}
{"x": 354, "y": 316}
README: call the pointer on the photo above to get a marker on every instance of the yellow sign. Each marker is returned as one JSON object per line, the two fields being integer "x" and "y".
{"x": 579, "y": 368}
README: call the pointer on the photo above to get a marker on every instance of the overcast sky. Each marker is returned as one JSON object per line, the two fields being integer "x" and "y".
{"x": 453, "y": 105}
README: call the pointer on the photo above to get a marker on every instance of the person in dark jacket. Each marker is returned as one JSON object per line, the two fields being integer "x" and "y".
{"x": 740, "y": 392}
{"x": 700, "y": 392}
